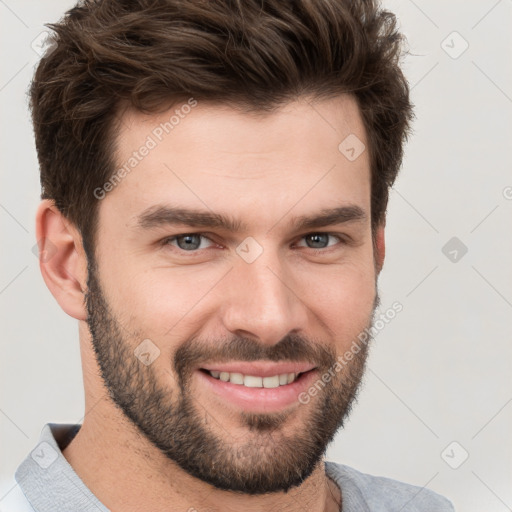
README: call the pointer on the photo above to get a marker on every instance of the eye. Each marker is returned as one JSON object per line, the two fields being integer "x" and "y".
{"x": 193, "y": 242}
{"x": 319, "y": 240}
{"x": 189, "y": 242}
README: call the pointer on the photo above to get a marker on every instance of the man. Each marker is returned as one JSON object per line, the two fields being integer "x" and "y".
{"x": 215, "y": 179}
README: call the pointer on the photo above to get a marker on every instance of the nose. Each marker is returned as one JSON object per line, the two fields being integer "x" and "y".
{"x": 262, "y": 300}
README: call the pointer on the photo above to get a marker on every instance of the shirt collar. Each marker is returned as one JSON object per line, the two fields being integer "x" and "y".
{"x": 50, "y": 483}
{"x": 48, "y": 480}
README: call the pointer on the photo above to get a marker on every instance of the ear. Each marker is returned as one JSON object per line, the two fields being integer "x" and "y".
{"x": 62, "y": 260}
{"x": 380, "y": 246}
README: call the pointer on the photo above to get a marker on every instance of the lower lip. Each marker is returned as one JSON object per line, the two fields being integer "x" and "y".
{"x": 259, "y": 399}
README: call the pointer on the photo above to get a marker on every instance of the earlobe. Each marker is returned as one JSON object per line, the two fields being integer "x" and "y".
{"x": 62, "y": 260}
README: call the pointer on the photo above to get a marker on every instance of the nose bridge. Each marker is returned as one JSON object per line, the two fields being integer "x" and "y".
{"x": 263, "y": 302}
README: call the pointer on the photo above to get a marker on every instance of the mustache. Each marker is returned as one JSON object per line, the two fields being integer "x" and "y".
{"x": 194, "y": 353}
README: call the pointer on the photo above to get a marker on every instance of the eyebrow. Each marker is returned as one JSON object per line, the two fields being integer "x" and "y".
{"x": 163, "y": 215}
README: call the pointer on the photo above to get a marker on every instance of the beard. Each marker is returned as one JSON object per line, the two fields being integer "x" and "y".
{"x": 264, "y": 460}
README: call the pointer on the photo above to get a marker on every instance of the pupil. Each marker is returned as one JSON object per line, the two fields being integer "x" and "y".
{"x": 188, "y": 245}
{"x": 318, "y": 238}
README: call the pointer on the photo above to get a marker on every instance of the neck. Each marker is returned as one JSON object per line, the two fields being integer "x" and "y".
{"x": 126, "y": 472}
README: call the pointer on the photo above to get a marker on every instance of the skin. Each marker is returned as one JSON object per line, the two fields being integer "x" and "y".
{"x": 264, "y": 171}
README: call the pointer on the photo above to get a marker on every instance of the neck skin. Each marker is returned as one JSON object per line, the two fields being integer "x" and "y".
{"x": 126, "y": 472}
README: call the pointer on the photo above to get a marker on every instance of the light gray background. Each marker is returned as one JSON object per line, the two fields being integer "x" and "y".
{"x": 440, "y": 371}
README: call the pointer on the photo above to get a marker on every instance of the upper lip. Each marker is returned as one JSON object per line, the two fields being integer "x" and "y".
{"x": 259, "y": 368}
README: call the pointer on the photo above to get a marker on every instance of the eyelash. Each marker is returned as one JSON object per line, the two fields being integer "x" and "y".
{"x": 167, "y": 241}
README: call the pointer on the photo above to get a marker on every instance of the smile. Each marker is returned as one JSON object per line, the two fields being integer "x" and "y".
{"x": 257, "y": 386}
{"x": 253, "y": 381}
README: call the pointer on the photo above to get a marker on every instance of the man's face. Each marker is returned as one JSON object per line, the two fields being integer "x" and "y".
{"x": 170, "y": 304}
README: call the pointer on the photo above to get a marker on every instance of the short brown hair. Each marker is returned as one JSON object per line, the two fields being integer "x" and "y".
{"x": 253, "y": 54}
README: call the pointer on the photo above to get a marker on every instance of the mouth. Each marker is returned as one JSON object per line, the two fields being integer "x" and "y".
{"x": 257, "y": 387}
{"x": 255, "y": 381}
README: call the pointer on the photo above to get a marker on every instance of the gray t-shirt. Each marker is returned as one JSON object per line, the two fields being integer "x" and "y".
{"x": 47, "y": 483}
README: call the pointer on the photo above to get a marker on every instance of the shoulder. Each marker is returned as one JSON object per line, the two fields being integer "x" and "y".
{"x": 383, "y": 494}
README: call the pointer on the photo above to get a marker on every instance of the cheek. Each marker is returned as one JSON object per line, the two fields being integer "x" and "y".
{"x": 158, "y": 300}
{"x": 342, "y": 297}
{"x": 163, "y": 303}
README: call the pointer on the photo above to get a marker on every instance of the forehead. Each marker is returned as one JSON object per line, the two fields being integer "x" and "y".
{"x": 200, "y": 154}
{"x": 320, "y": 122}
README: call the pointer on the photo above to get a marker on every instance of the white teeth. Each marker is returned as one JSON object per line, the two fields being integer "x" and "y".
{"x": 236, "y": 378}
{"x": 252, "y": 381}
{"x": 271, "y": 382}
